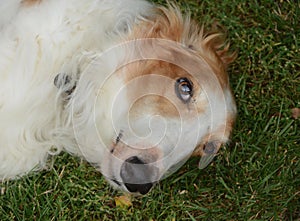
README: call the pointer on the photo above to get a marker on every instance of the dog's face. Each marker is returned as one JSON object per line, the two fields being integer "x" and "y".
{"x": 159, "y": 126}
{"x": 165, "y": 102}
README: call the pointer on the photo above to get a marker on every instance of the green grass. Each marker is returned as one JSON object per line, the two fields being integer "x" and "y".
{"x": 256, "y": 177}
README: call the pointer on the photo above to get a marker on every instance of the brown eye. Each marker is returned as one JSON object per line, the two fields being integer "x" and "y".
{"x": 184, "y": 89}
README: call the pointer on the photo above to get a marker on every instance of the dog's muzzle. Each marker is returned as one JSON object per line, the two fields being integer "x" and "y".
{"x": 138, "y": 176}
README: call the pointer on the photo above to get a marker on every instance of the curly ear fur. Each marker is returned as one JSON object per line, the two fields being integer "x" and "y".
{"x": 215, "y": 40}
{"x": 169, "y": 23}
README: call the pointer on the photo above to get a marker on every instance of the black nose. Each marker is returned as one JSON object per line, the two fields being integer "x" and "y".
{"x": 137, "y": 175}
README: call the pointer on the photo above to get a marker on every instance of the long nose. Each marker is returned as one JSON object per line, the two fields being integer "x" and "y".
{"x": 137, "y": 176}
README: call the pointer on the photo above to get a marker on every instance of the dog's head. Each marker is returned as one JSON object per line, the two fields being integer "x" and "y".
{"x": 169, "y": 98}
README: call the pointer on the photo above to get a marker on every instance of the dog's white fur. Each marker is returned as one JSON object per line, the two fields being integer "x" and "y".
{"x": 40, "y": 39}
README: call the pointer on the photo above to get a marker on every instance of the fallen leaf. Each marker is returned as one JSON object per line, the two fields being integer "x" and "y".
{"x": 123, "y": 201}
{"x": 295, "y": 113}
{"x": 183, "y": 192}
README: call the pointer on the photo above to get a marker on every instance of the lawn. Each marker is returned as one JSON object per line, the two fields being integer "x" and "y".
{"x": 255, "y": 177}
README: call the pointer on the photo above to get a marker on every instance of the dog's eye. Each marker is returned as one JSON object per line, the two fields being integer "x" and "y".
{"x": 184, "y": 89}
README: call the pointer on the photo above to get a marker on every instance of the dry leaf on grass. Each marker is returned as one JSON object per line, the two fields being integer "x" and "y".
{"x": 123, "y": 201}
{"x": 295, "y": 113}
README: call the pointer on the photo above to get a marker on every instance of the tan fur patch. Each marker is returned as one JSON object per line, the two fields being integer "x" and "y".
{"x": 30, "y": 2}
{"x": 156, "y": 105}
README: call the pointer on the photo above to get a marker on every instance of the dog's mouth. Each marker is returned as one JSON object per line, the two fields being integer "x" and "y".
{"x": 133, "y": 188}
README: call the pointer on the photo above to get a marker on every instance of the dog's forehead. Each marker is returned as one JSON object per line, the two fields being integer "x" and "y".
{"x": 173, "y": 60}
{"x": 150, "y": 88}
{"x": 155, "y": 67}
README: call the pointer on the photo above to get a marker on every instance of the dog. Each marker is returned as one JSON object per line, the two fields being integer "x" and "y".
{"x": 131, "y": 87}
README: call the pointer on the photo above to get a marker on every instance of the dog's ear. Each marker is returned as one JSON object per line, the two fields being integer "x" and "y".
{"x": 215, "y": 42}
{"x": 210, "y": 42}
{"x": 226, "y": 56}
{"x": 169, "y": 23}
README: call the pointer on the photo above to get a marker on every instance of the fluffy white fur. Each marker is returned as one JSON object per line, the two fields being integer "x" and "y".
{"x": 79, "y": 38}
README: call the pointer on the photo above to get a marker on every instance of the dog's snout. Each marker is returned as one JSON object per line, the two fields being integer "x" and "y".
{"x": 138, "y": 176}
